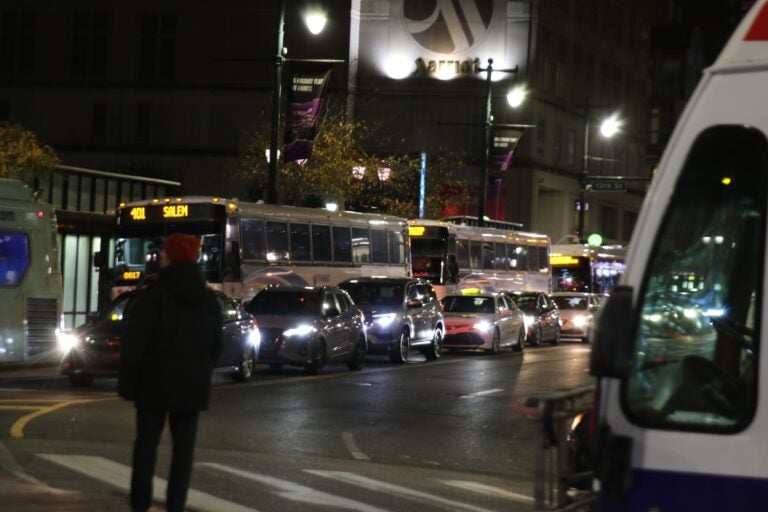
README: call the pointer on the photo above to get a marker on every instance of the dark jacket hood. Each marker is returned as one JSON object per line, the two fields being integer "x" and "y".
{"x": 184, "y": 281}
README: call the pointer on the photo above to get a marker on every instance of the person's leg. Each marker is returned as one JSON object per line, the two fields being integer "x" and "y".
{"x": 149, "y": 428}
{"x": 184, "y": 431}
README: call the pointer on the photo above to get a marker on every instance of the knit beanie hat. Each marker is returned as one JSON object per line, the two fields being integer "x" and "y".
{"x": 181, "y": 248}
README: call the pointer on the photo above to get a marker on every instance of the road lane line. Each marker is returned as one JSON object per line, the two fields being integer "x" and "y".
{"x": 489, "y": 490}
{"x": 482, "y": 393}
{"x": 349, "y": 441}
{"x": 396, "y": 490}
{"x": 297, "y": 492}
{"x": 119, "y": 475}
{"x": 17, "y": 430}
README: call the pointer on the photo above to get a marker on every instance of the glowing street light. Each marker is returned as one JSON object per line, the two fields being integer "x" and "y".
{"x": 516, "y": 96}
{"x": 315, "y": 22}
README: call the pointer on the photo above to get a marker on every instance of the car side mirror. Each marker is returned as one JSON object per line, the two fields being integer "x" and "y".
{"x": 613, "y": 341}
{"x": 414, "y": 304}
{"x": 331, "y": 312}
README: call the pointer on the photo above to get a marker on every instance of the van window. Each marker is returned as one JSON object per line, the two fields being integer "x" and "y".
{"x": 694, "y": 358}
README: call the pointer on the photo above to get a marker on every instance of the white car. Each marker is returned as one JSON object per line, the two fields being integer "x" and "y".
{"x": 486, "y": 321}
{"x": 577, "y": 313}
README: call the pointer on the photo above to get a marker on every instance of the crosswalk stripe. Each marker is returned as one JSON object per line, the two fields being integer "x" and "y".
{"x": 297, "y": 492}
{"x": 119, "y": 475}
{"x": 488, "y": 490}
{"x": 396, "y": 490}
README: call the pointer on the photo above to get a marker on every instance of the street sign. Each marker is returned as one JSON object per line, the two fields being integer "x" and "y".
{"x": 609, "y": 186}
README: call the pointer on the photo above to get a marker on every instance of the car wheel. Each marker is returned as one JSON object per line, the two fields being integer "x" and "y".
{"x": 399, "y": 353}
{"x": 535, "y": 338}
{"x": 494, "y": 343}
{"x": 556, "y": 338}
{"x": 435, "y": 349}
{"x": 518, "y": 347}
{"x": 81, "y": 380}
{"x": 358, "y": 355}
{"x": 317, "y": 361}
{"x": 244, "y": 370}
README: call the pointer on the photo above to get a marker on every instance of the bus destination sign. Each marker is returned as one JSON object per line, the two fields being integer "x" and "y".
{"x": 165, "y": 212}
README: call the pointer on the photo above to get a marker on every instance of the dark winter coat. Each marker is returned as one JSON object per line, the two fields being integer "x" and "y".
{"x": 171, "y": 342}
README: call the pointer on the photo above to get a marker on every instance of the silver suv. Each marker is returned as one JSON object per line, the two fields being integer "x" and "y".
{"x": 400, "y": 314}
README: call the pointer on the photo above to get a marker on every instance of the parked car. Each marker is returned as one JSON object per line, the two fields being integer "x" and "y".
{"x": 542, "y": 319}
{"x": 400, "y": 314}
{"x": 486, "y": 321}
{"x": 93, "y": 349}
{"x": 309, "y": 327}
{"x": 577, "y": 313}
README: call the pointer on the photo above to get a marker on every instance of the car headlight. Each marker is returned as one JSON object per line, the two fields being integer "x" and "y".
{"x": 483, "y": 326}
{"x": 301, "y": 330}
{"x": 580, "y": 321}
{"x": 66, "y": 341}
{"x": 384, "y": 320}
{"x": 254, "y": 338}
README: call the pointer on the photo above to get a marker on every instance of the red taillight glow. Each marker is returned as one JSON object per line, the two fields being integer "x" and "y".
{"x": 40, "y": 214}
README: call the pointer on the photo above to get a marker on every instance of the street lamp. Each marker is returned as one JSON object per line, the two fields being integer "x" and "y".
{"x": 487, "y": 126}
{"x": 315, "y": 22}
{"x": 608, "y": 128}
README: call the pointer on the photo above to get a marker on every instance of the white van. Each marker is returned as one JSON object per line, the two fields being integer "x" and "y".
{"x": 682, "y": 374}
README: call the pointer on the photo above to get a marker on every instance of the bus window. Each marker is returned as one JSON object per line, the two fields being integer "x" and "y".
{"x": 342, "y": 244}
{"x": 512, "y": 257}
{"x": 475, "y": 255}
{"x": 533, "y": 258}
{"x": 379, "y": 253}
{"x": 396, "y": 247}
{"x": 277, "y": 241}
{"x": 361, "y": 245}
{"x": 300, "y": 246}
{"x": 14, "y": 258}
{"x": 499, "y": 256}
{"x": 543, "y": 259}
{"x": 694, "y": 356}
{"x": 252, "y": 235}
{"x": 321, "y": 243}
{"x": 487, "y": 255}
{"x": 462, "y": 247}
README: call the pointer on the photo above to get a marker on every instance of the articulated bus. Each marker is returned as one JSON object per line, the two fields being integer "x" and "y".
{"x": 247, "y": 246}
{"x": 586, "y": 268}
{"x": 455, "y": 255}
{"x": 30, "y": 275}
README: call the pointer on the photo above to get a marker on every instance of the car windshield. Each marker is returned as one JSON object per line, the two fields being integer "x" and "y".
{"x": 369, "y": 294}
{"x": 285, "y": 302}
{"x": 571, "y": 302}
{"x": 526, "y": 302}
{"x": 458, "y": 304}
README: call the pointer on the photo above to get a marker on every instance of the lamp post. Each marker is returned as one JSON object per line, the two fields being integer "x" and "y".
{"x": 608, "y": 128}
{"x": 487, "y": 126}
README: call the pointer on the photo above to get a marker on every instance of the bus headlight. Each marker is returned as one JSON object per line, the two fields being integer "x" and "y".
{"x": 66, "y": 341}
{"x": 299, "y": 331}
{"x": 384, "y": 320}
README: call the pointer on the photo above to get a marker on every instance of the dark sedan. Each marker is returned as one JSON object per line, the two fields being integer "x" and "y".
{"x": 542, "y": 318}
{"x": 93, "y": 349}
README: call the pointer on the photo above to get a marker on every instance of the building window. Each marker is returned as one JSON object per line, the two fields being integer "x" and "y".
{"x": 158, "y": 46}
{"x": 557, "y": 145}
{"x": 98, "y": 121}
{"x": 17, "y": 43}
{"x": 609, "y": 215}
{"x": 89, "y": 44}
{"x": 142, "y": 122}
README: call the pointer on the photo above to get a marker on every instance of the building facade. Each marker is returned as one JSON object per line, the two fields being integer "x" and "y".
{"x": 169, "y": 89}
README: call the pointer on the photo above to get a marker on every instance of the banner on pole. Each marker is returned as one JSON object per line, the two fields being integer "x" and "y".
{"x": 502, "y": 149}
{"x": 305, "y": 104}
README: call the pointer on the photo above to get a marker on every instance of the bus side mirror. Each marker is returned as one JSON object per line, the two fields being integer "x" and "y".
{"x": 99, "y": 259}
{"x": 612, "y": 344}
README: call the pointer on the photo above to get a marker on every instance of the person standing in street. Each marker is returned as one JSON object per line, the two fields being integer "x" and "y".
{"x": 170, "y": 346}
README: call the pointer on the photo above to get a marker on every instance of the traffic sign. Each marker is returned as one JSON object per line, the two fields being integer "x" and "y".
{"x": 609, "y": 186}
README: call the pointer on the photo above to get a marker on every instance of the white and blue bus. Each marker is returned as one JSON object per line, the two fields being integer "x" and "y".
{"x": 247, "y": 246}
{"x": 455, "y": 254}
{"x": 587, "y": 268}
{"x": 30, "y": 275}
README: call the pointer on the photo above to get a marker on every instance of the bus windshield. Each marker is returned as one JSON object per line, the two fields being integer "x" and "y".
{"x": 14, "y": 258}
{"x": 142, "y": 254}
{"x": 427, "y": 257}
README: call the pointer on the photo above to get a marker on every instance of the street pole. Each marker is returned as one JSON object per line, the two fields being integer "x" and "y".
{"x": 486, "y": 144}
{"x": 584, "y": 174}
{"x": 277, "y": 93}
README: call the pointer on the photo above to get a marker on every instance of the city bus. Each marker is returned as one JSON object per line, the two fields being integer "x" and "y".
{"x": 587, "y": 268}
{"x": 30, "y": 275}
{"x": 247, "y": 246}
{"x": 456, "y": 255}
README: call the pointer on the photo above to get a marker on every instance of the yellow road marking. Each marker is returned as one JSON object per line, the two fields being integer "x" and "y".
{"x": 17, "y": 430}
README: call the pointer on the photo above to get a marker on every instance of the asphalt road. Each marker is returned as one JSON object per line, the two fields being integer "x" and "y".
{"x": 418, "y": 437}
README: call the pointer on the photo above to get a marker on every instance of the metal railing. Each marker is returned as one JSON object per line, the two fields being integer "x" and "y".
{"x": 560, "y": 483}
